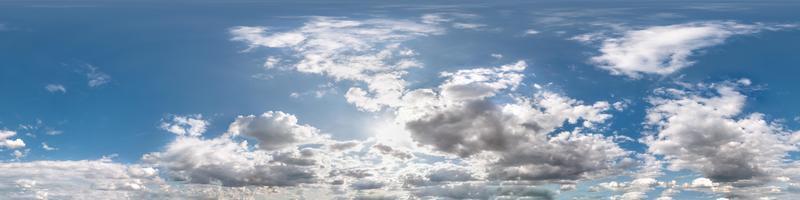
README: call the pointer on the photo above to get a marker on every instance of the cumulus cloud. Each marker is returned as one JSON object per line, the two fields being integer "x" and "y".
{"x": 547, "y": 136}
{"x": 6, "y": 142}
{"x": 190, "y": 125}
{"x": 53, "y": 88}
{"x": 703, "y": 128}
{"x": 518, "y": 138}
{"x": 273, "y": 130}
{"x": 643, "y": 180}
{"x": 664, "y": 50}
{"x": 226, "y": 162}
{"x": 513, "y": 141}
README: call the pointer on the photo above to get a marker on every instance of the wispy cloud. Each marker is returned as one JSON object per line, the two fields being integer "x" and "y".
{"x": 96, "y": 77}
{"x": 53, "y": 88}
{"x": 48, "y": 147}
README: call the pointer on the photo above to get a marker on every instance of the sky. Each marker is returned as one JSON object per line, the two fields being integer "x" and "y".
{"x": 399, "y": 100}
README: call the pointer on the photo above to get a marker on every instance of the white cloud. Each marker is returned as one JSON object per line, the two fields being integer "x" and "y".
{"x": 367, "y": 51}
{"x": 440, "y": 18}
{"x": 274, "y": 130}
{"x": 472, "y": 26}
{"x": 48, "y": 147}
{"x": 664, "y": 50}
{"x": 457, "y": 118}
{"x": 96, "y": 77}
{"x": 271, "y": 62}
{"x": 6, "y": 142}
{"x": 20, "y": 154}
{"x": 702, "y": 183}
{"x": 496, "y": 55}
{"x": 644, "y": 180}
{"x": 530, "y": 32}
{"x": 189, "y": 125}
{"x": 55, "y": 88}
{"x": 61, "y": 180}
{"x": 322, "y": 90}
{"x": 481, "y": 82}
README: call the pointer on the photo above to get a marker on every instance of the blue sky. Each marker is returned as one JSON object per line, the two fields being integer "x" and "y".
{"x": 552, "y": 100}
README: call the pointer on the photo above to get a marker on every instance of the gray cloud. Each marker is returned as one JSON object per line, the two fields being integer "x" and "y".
{"x": 484, "y": 191}
{"x": 702, "y": 128}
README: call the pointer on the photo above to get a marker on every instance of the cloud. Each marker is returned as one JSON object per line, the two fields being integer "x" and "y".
{"x": 388, "y": 150}
{"x": 61, "y": 180}
{"x": 480, "y": 83}
{"x": 445, "y": 17}
{"x": 484, "y": 191}
{"x": 273, "y": 130}
{"x": 189, "y": 125}
{"x": 6, "y": 142}
{"x": 226, "y": 162}
{"x": 52, "y": 88}
{"x": 471, "y": 26}
{"x": 48, "y": 147}
{"x": 530, "y": 32}
{"x": 663, "y": 50}
{"x": 366, "y": 51}
{"x": 518, "y": 138}
{"x": 96, "y": 77}
{"x": 271, "y": 62}
{"x": 509, "y": 141}
{"x": 703, "y": 128}
{"x": 322, "y": 90}
{"x": 382, "y": 171}
{"x": 643, "y": 180}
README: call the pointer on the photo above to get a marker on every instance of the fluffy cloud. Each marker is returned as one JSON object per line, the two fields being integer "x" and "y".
{"x": 665, "y": 49}
{"x": 191, "y": 125}
{"x": 702, "y": 128}
{"x": 273, "y": 130}
{"x": 229, "y": 163}
{"x": 480, "y": 83}
{"x": 459, "y": 117}
{"x": 6, "y": 142}
{"x": 286, "y": 155}
{"x": 643, "y": 180}
{"x": 514, "y": 141}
